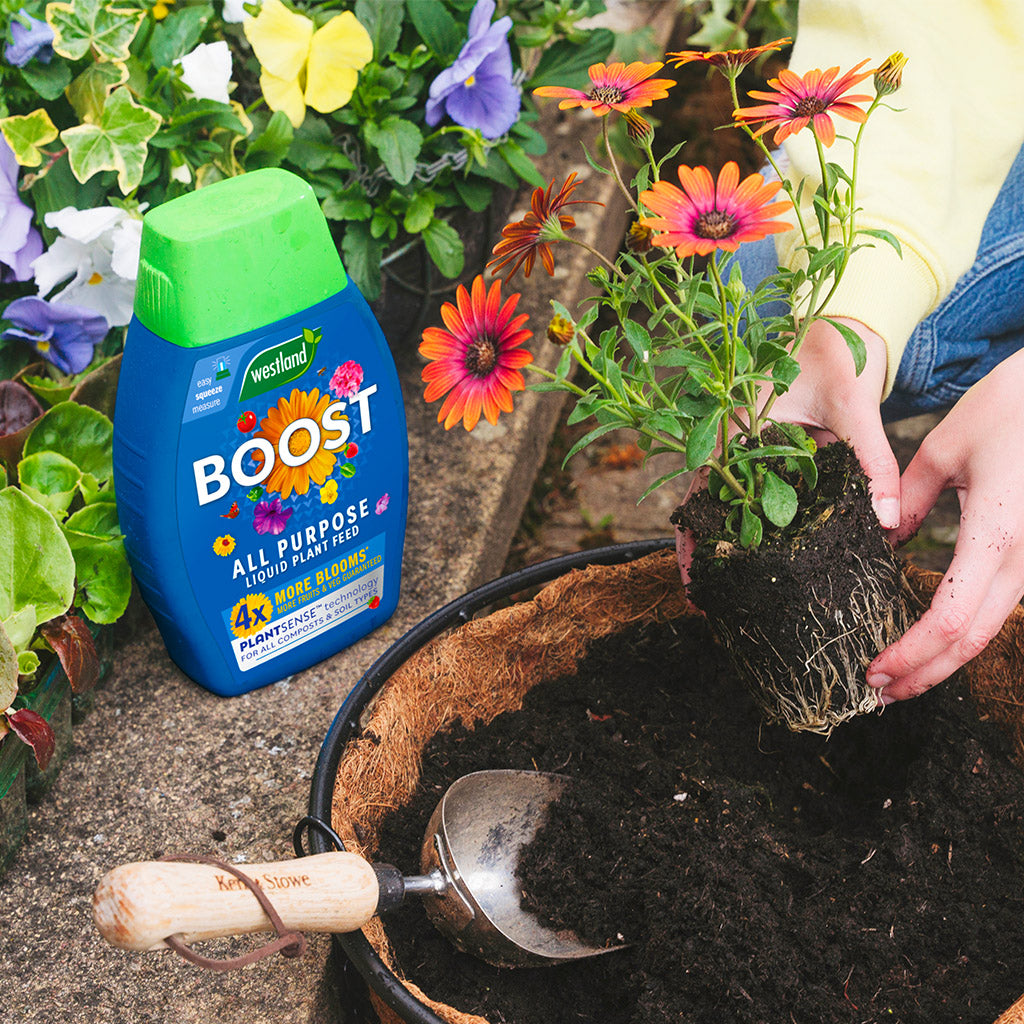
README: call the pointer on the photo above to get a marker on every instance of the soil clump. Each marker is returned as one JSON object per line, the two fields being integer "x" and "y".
{"x": 758, "y": 875}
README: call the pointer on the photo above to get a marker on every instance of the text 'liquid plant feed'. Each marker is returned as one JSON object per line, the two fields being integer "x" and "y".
{"x": 260, "y": 448}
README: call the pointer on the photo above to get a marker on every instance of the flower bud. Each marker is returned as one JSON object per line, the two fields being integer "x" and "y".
{"x": 889, "y": 75}
{"x": 638, "y": 238}
{"x": 560, "y": 330}
{"x": 639, "y": 130}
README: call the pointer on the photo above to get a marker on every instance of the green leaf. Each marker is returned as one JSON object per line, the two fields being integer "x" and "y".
{"x": 565, "y": 63}
{"x": 382, "y": 19}
{"x": 347, "y": 206}
{"x": 178, "y": 33}
{"x": 399, "y": 143}
{"x": 8, "y": 670}
{"x": 88, "y": 93}
{"x": 50, "y": 479}
{"x": 589, "y": 438}
{"x": 701, "y": 441}
{"x": 117, "y": 143}
{"x": 26, "y": 134}
{"x": 361, "y": 255}
{"x": 48, "y": 81}
{"x": 37, "y": 570}
{"x": 420, "y": 213}
{"x": 314, "y": 149}
{"x": 639, "y": 339}
{"x": 444, "y": 247}
{"x": 271, "y": 146}
{"x": 514, "y": 155}
{"x": 475, "y": 193}
{"x": 778, "y": 500}
{"x": 886, "y": 236}
{"x": 437, "y": 28}
{"x": 82, "y": 435}
{"x": 854, "y": 342}
{"x": 104, "y": 577}
{"x": 85, "y": 26}
{"x": 751, "y": 528}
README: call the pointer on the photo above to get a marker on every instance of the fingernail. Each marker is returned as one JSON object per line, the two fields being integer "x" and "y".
{"x": 888, "y": 512}
{"x": 885, "y": 699}
{"x": 878, "y": 679}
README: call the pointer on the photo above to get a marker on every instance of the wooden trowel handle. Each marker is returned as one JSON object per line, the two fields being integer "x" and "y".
{"x": 137, "y": 906}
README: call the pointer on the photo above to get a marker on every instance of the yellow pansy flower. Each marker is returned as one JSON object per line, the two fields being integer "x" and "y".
{"x": 302, "y": 67}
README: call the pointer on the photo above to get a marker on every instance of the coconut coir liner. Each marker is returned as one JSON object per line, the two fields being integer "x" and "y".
{"x": 381, "y": 771}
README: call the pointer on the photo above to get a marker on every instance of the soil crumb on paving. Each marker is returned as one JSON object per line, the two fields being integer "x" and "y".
{"x": 758, "y": 875}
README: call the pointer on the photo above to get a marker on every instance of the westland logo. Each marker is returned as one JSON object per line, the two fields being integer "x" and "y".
{"x": 280, "y": 364}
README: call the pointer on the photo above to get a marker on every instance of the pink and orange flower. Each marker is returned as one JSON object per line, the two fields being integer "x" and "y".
{"x": 812, "y": 98}
{"x": 706, "y": 215}
{"x": 475, "y": 359}
{"x": 524, "y": 240}
{"x": 621, "y": 87}
{"x": 728, "y": 60}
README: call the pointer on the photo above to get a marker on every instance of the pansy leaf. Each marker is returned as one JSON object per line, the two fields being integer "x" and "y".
{"x": 778, "y": 500}
{"x": 25, "y": 134}
{"x": 178, "y": 33}
{"x": 47, "y": 81}
{"x": 515, "y": 156}
{"x": 399, "y": 143}
{"x": 88, "y": 93}
{"x": 271, "y": 146}
{"x": 437, "y": 28}
{"x": 117, "y": 143}
{"x": 751, "y": 528}
{"x": 361, "y": 254}
{"x": 420, "y": 212}
{"x": 565, "y": 63}
{"x": 444, "y": 247}
{"x": 85, "y": 26}
{"x": 382, "y": 19}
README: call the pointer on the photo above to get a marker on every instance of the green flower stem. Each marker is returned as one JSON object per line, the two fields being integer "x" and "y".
{"x": 681, "y": 314}
{"x": 563, "y": 237}
{"x": 561, "y": 381}
{"x": 824, "y": 184}
{"x": 729, "y": 341}
{"x": 615, "y": 167}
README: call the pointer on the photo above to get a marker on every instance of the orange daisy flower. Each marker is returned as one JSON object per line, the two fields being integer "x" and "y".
{"x": 475, "y": 358}
{"x": 287, "y": 420}
{"x": 799, "y": 100}
{"x": 618, "y": 86}
{"x": 524, "y": 240}
{"x": 705, "y": 216}
{"x": 727, "y": 60}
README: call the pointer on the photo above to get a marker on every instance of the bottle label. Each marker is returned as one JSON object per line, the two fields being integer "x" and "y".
{"x": 284, "y": 485}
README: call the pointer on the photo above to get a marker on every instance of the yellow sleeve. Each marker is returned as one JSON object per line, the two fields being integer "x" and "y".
{"x": 930, "y": 170}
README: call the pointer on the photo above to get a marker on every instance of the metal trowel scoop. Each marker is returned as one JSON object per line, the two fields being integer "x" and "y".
{"x": 468, "y": 882}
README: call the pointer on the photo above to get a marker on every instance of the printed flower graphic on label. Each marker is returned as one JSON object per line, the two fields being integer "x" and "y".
{"x": 270, "y": 517}
{"x": 329, "y": 492}
{"x": 346, "y": 379}
{"x": 382, "y": 504}
{"x": 223, "y": 546}
{"x": 288, "y": 421}
{"x": 231, "y": 512}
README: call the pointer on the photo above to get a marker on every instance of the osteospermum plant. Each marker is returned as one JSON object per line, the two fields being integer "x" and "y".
{"x": 686, "y": 353}
{"x": 692, "y": 364}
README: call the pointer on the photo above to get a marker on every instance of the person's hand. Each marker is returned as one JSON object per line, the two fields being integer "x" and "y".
{"x": 831, "y": 400}
{"x": 975, "y": 449}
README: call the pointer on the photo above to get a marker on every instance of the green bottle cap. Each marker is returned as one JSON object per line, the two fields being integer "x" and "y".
{"x": 234, "y": 256}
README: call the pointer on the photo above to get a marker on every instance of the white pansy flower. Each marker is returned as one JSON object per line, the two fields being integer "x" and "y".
{"x": 206, "y": 71}
{"x": 234, "y": 10}
{"x": 99, "y": 250}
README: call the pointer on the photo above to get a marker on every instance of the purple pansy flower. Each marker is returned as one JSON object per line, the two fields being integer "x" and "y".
{"x": 62, "y": 334}
{"x": 477, "y": 90}
{"x": 20, "y": 243}
{"x": 34, "y": 39}
{"x": 270, "y": 517}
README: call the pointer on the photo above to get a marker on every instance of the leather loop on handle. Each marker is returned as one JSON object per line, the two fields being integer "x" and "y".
{"x": 289, "y": 944}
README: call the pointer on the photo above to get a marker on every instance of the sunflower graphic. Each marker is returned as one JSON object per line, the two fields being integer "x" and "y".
{"x": 300, "y": 405}
{"x": 223, "y": 546}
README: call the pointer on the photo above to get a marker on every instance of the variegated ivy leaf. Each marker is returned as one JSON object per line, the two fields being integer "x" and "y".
{"x": 88, "y": 93}
{"x": 119, "y": 141}
{"x": 26, "y": 133}
{"x": 85, "y": 26}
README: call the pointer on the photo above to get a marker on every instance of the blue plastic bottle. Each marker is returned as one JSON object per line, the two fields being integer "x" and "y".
{"x": 260, "y": 447}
